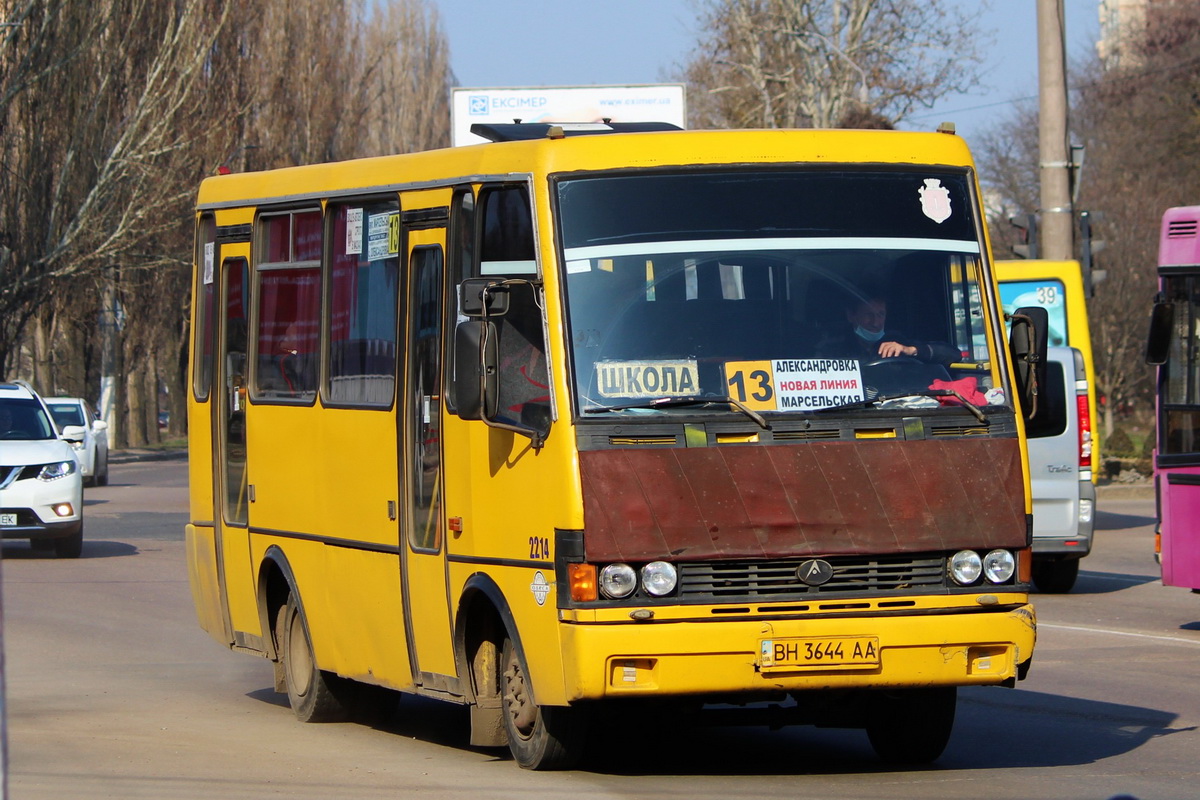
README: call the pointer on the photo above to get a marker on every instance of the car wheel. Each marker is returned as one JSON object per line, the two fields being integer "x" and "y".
{"x": 101, "y": 474}
{"x": 1055, "y": 576}
{"x": 70, "y": 546}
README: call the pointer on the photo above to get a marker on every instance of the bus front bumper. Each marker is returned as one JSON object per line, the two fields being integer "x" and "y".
{"x": 767, "y": 656}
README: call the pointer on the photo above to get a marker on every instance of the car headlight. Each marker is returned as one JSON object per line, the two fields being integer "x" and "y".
{"x": 965, "y": 567}
{"x": 618, "y": 580}
{"x": 59, "y": 469}
{"x": 999, "y": 566}
{"x": 659, "y": 578}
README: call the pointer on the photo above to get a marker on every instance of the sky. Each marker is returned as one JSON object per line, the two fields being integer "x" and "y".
{"x": 527, "y": 43}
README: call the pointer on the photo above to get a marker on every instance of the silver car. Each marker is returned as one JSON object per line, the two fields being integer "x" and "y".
{"x": 92, "y": 450}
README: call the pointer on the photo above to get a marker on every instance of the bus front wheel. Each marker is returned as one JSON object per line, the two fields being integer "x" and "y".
{"x": 311, "y": 691}
{"x": 911, "y": 726}
{"x": 540, "y": 737}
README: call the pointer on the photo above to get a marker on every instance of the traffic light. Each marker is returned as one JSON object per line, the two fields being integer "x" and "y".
{"x": 1028, "y": 248}
{"x": 1088, "y": 247}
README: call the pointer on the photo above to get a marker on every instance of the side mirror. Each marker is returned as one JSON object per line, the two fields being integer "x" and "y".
{"x": 1027, "y": 345}
{"x": 1158, "y": 340}
{"x": 99, "y": 425}
{"x": 74, "y": 433}
{"x": 476, "y": 385}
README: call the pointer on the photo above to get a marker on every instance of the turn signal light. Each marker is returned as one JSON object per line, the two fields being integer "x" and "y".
{"x": 583, "y": 582}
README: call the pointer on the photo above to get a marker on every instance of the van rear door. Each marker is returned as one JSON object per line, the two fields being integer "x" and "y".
{"x": 1060, "y": 475}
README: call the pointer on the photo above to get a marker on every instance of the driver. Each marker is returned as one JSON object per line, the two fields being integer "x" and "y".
{"x": 867, "y": 337}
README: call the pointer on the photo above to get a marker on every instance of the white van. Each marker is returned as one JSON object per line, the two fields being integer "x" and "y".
{"x": 1064, "y": 497}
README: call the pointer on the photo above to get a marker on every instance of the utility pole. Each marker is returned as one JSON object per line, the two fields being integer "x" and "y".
{"x": 1054, "y": 150}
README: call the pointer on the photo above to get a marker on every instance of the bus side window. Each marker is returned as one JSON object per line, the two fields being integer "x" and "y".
{"x": 507, "y": 250}
{"x": 289, "y": 306}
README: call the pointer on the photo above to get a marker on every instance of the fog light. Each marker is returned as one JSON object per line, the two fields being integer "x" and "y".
{"x": 999, "y": 566}
{"x": 64, "y": 509}
{"x": 618, "y": 580}
{"x": 965, "y": 567}
{"x": 659, "y": 578}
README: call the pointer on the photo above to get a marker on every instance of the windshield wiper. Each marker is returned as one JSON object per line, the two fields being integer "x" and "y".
{"x": 692, "y": 400}
{"x": 967, "y": 404}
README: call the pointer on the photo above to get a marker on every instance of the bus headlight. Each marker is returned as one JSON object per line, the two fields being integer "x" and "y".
{"x": 659, "y": 578}
{"x": 617, "y": 581}
{"x": 999, "y": 566}
{"x": 965, "y": 567}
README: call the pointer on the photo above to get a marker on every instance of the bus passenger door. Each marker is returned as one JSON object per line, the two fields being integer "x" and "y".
{"x": 229, "y": 439}
{"x": 427, "y": 614}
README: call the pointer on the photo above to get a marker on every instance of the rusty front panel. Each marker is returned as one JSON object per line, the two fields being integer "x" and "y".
{"x": 817, "y": 498}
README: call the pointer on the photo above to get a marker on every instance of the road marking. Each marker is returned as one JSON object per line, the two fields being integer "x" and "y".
{"x": 1086, "y": 629}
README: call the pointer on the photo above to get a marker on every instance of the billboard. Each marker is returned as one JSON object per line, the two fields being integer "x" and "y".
{"x": 647, "y": 103}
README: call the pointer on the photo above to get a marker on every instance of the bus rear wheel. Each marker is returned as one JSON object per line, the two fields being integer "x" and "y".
{"x": 313, "y": 693}
{"x": 540, "y": 737}
{"x": 911, "y": 726}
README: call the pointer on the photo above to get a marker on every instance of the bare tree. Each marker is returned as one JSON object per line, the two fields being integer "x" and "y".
{"x": 91, "y": 126}
{"x": 1140, "y": 123}
{"x": 409, "y": 88}
{"x": 111, "y": 113}
{"x": 823, "y": 63}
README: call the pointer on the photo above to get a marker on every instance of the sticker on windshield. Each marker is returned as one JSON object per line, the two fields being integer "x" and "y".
{"x": 651, "y": 379}
{"x": 803, "y": 384}
{"x": 935, "y": 200}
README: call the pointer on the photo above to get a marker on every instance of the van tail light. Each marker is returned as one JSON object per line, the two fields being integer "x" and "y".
{"x": 1085, "y": 431}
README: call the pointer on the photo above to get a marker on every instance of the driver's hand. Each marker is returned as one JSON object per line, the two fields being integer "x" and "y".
{"x": 893, "y": 349}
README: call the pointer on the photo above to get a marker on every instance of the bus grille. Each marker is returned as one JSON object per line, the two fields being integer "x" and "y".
{"x": 777, "y": 579}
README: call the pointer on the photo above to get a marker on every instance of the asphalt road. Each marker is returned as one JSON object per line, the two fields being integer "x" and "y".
{"x": 115, "y": 692}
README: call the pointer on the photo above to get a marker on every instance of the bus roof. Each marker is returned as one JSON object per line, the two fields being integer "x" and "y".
{"x": 1179, "y": 245}
{"x": 542, "y": 156}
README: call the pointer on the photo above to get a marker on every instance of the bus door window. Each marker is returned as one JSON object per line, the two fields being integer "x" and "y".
{"x": 424, "y": 396}
{"x": 233, "y": 383}
{"x": 364, "y": 281}
{"x": 507, "y": 250}
{"x": 1181, "y": 429}
{"x": 289, "y": 306}
{"x": 206, "y": 255}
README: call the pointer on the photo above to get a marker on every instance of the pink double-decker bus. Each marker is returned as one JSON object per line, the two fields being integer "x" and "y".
{"x": 1174, "y": 346}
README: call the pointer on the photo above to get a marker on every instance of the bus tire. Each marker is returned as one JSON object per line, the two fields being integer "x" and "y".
{"x": 1055, "y": 576}
{"x": 539, "y": 737}
{"x": 313, "y": 693}
{"x": 911, "y": 726}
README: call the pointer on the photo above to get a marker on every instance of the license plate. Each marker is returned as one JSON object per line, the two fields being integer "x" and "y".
{"x": 8, "y": 519}
{"x": 831, "y": 652}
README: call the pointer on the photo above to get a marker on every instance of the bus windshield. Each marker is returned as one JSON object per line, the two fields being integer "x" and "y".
{"x": 784, "y": 290}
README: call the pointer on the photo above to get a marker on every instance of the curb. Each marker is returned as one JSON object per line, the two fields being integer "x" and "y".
{"x": 1125, "y": 491}
{"x": 133, "y": 455}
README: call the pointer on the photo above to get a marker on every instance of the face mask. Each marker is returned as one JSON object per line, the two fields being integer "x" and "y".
{"x": 870, "y": 336}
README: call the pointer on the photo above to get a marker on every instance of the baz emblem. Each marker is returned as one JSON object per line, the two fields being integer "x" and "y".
{"x": 814, "y": 572}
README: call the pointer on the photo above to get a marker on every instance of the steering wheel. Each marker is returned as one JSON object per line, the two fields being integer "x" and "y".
{"x": 899, "y": 361}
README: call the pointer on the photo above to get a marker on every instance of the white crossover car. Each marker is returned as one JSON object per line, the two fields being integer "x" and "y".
{"x": 92, "y": 450}
{"x": 41, "y": 488}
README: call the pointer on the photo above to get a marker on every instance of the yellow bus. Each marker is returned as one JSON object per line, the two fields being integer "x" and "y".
{"x": 607, "y": 413}
{"x": 1058, "y": 287}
